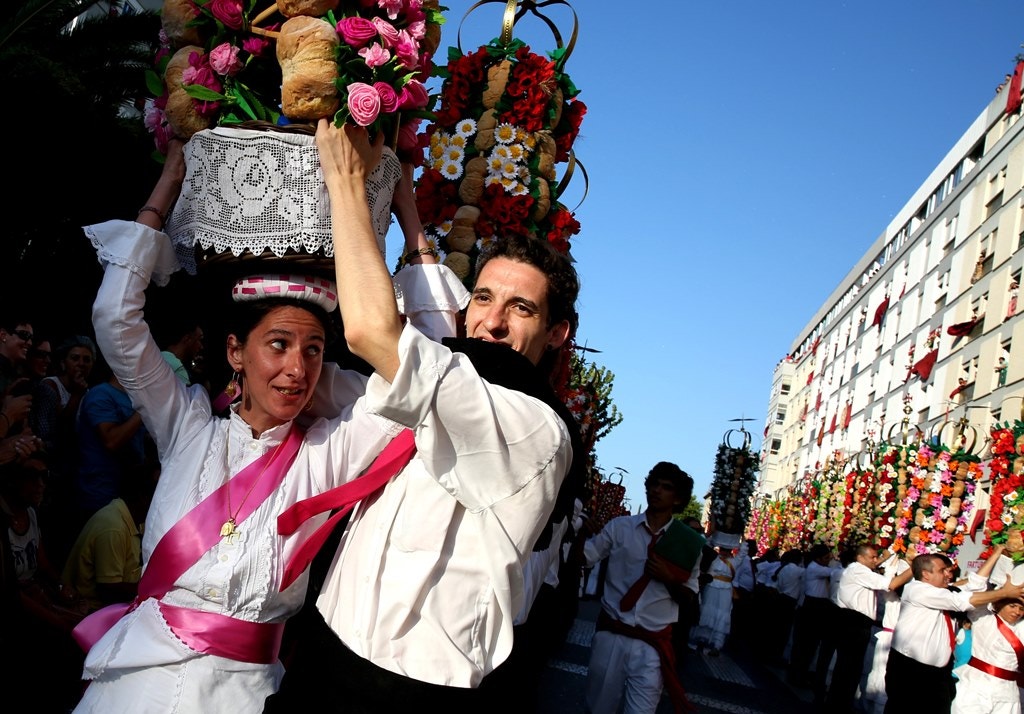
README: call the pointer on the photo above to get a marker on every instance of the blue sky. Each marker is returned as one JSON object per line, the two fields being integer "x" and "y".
{"x": 741, "y": 158}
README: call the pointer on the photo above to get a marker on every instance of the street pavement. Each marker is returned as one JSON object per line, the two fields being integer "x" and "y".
{"x": 733, "y": 682}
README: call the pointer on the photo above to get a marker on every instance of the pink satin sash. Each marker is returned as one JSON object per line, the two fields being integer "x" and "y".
{"x": 389, "y": 462}
{"x": 192, "y": 536}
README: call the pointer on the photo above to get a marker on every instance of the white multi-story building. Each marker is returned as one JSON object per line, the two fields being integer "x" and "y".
{"x": 924, "y": 325}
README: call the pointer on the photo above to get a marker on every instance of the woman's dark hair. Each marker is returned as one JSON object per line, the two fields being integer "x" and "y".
{"x": 244, "y": 317}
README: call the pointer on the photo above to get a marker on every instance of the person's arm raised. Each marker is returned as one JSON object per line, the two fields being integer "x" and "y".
{"x": 365, "y": 293}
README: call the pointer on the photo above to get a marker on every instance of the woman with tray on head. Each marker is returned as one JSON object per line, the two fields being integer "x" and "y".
{"x": 219, "y": 579}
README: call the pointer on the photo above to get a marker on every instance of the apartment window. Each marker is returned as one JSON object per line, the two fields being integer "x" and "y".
{"x": 776, "y": 445}
{"x": 784, "y": 389}
{"x": 780, "y": 416}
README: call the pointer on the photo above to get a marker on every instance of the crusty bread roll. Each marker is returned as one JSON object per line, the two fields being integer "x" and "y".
{"x": 174, "y": 18}
{"x": 181, "y": 112}
{"x": 313, "y": 8}
{"x": 306, "y": 53}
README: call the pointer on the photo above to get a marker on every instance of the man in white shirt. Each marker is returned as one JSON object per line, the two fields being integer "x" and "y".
{"x": 419, "y": 602}
{"x": 918, "y": 676}
{"x": 631, "y": 656}
{"x": 857, "y": 599}
{"x": 889, "y": 604}
{"x": 811, "y": 617}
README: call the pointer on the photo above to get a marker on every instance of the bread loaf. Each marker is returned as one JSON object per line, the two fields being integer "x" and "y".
{"x": 174, "y": 18}
{"x": 306, "y": 52}
{"x": 313, "y": 8}
{"x": 181, "y": 112}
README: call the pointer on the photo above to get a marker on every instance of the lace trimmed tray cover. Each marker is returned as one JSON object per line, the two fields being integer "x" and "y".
{"x": 254, "y": 194}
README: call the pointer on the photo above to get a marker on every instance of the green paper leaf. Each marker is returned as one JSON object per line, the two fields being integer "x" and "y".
{"x": 204, "y": 94}
{"x": 154, "y": 83}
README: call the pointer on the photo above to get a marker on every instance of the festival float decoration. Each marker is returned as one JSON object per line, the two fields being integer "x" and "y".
{"x": 935, "y": 485}
{"x": 732, "y": 487}
{"x": 508, "y": 117}
{"x": 858, "y": 526}
{"x": 1004, "y": 523}
{"x": 247, "y": 84}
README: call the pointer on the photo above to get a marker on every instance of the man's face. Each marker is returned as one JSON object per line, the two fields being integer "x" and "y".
{"x": 869, "y": 559}
{"x": 510, "y": 306}
{"x": 936, "y": 576}
{"x": 661, "y": 494}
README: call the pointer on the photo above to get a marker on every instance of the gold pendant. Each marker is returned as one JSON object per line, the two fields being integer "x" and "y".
{"x": 228, "y": 529}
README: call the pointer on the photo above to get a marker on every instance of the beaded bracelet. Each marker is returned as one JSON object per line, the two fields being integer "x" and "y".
{"x": 418, "y": 252}
{"x": 153, "y": 209}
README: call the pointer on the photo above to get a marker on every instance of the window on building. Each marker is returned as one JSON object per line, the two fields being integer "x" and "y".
{"x": 776, "y": 445}
{"x": 784, "y": 389}
{"x": 780, "y": 416}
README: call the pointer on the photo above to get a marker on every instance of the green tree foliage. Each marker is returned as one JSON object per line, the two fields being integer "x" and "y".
{"x": 78, "y": 153}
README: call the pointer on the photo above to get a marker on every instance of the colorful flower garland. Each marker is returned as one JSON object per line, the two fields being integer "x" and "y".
{"x": 1005, "y": 519}
{"x": 890, "y": 477}
{"x": 507, "y": 117}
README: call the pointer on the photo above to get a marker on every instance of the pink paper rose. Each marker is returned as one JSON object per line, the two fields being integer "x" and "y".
{"x": 227, "y": 11}
{"x": 356, "y": 31}
{"x": 375, "y": 55}
{"x": 363, "y": 103}
{"x": 388, "y": 33}
{"x": 413, "y": 96}
{"x": 224, "y": 60}
{"x": 388, "y": 97}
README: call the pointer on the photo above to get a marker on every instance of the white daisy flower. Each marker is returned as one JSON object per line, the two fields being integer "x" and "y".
{"x": 509, "y": 169}
{"x": 451, "y": 170}
{"x": 459, "y": 141}
{"x": 465, "y": 128}
{"x": 504, "y": 133}
{"x": 517, "y": 152}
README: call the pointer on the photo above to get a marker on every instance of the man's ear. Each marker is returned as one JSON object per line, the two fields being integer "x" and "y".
{"x": 558, "y": 334}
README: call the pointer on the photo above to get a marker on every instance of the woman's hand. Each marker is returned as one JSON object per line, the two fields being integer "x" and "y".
{"x": 346, "y": 151}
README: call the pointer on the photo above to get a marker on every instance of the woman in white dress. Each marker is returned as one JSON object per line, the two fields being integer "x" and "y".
{"x": 205, "y": 632}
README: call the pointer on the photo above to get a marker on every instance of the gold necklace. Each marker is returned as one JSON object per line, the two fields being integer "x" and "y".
{"x": 230, "y": 527}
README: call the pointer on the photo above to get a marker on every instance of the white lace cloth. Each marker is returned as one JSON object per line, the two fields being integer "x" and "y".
{"x": 250, "y": 190}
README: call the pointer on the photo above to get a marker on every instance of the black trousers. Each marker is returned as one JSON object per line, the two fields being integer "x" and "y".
{"x": 324, "y": 675}
{"x": 853, "y": 635}
{"x": 809, "y": 627}
{"x": 912, "y": 686}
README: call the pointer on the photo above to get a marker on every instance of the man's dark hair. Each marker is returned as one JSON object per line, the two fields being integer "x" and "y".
{"x": 819, "y": 551}
{"x": 563, "y": 282}
{"x": 681, "y": 482}
{"x": 925, "y": 563}
{"x": 864, "y": 549}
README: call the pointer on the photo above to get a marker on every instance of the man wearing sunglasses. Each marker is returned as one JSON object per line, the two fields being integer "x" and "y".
{"x": 16, "y": 338}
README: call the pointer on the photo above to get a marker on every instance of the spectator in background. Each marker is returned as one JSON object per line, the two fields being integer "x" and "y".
{"x": 39, "y": 361}
{"x": 16, "y": 337}
{"x": 180, "y": 337}
{"x": 105, "y": 563}
{"x": 111, "y": 438}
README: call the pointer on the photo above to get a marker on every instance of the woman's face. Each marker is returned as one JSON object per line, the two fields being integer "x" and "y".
{"x": 39, "y": 359}
{"x": 280, "y": 363}
{"x": 78, "y": 364}
{"x": 1011, "y": 611}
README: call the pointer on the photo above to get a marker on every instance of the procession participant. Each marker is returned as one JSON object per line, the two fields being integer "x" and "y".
{"x": 889, "y": 603}
{"x": 204, "y": 633}
{"x": 857, "y": 599}
{"x": 459, "y": 522}
{"x": 631, "y": 657}
{"x": 918, "y": 674}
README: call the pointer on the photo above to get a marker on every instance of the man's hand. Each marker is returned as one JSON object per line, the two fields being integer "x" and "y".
{"x": 1011, "y": 591}
{"x": 662, "y": 570}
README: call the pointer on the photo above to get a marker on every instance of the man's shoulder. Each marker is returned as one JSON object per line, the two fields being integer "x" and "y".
{"x": 680, "y": 544}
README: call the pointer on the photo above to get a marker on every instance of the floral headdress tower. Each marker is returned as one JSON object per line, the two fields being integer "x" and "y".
{"x": 733, "y": 484}
{"x": 246, "y": 85}
{"x": 1004, "y": 523}
{"x": 507, "y": 118}
{"x": 933, "y": 485}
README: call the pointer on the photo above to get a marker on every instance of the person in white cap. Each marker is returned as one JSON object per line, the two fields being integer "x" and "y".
{"x": 219, "y": 579}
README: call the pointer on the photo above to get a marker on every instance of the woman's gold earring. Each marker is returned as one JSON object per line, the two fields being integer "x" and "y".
{"x": 309, "y": 405}
{"x": 232, "y": 389}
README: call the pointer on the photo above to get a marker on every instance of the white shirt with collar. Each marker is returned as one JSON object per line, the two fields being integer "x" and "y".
{"x": 790, "y": 581}
{"x": 859, "y": 587}
{"x": 817, "y": 578}
{"x": 921, "y": 632}
{"x": 624, "y": 542}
